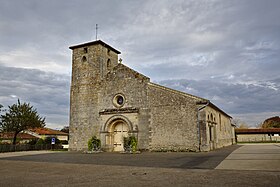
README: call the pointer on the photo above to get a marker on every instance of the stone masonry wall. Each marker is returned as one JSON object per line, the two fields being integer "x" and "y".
{"x": 89, "y": 64}
{"x": 222, "y": 130}
{"x": 257, "y": 138}
{"x": 173, "y": 120}
{"x": 133, "y": 86}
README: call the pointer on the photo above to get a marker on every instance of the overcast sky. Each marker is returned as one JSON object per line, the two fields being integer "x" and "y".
{"x": 223, "y": 50}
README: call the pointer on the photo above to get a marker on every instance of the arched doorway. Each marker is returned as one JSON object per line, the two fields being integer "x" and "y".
{"x": 120, "y": 130}
{"x": 113, "y": 131}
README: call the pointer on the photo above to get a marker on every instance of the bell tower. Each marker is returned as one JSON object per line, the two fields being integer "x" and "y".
{"x": 90, "y": 63}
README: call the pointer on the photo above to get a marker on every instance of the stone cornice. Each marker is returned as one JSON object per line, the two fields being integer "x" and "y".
{"x": 119, "y": 111}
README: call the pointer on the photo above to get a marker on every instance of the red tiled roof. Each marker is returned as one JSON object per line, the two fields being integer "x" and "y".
{"x": 47, "y": 131}
{"x": 10, "y": 135}
{"x": 257, "y": 131}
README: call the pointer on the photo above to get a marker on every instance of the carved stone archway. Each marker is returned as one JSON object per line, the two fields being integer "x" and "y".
{"x": 113, "y": 131}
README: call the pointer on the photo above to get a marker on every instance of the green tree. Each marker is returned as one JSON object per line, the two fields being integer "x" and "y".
{"x": 19, "y": 117}
{"x": 273, "y": 122}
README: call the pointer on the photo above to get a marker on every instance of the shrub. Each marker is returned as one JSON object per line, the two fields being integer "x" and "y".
{"x": 33, "y": 141}
{"x": 40, "y": 142}
{"x": 46, "y": 141}
{"x": 130, "y": 144}
{"x": 94, "y": 144}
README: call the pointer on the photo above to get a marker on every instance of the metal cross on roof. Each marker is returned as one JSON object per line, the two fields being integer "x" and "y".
{"x": 96, "y": 28}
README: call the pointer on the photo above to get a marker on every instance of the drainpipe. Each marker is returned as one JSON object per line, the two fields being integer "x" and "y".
{"x": 198, "y": 126}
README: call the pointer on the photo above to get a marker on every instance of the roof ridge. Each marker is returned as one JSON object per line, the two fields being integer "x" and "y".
{"x": 177, "y": 91}
{"x": 134, "y": 71}
{"x": 93, "y": 43}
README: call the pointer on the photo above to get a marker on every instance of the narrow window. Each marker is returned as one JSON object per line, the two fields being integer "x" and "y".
{"x": 84, "y": 59}
{"x": 108, "y": 63}
{"x": 220, "y": 122}
{"x": 85, "y": 50}
{"x": 210, "y": 134}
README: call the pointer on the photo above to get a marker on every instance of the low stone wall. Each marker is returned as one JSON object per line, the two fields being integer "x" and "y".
{"x": 257, "y": 138}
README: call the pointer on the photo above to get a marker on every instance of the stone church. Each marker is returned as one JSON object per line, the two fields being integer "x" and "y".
{"x": 110, "y": 101}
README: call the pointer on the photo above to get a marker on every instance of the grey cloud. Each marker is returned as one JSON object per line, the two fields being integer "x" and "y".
{"x": 48, "y": 92}
{"x": 237, "y": 27}
{"x": 237, "y": 99}
{"x": 233, "y": 45}
{"x": 51, "y": 23}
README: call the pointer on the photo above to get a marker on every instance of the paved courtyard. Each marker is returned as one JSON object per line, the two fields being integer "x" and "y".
{"x": 253, "y": 157}
{"x": 216, "y": 168}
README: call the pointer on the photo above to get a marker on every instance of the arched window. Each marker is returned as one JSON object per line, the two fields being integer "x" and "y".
{"x": 220, "y": 122}
{"x": 108, "y": 63}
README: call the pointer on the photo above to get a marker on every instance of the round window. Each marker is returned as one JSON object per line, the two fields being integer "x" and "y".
{"x": 119, "y": 100}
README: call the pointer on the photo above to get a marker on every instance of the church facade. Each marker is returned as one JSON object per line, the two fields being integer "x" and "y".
{"x": 110, "y": 101}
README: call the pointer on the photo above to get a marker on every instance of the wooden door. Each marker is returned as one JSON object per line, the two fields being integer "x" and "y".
{"x": 120, "y": 131}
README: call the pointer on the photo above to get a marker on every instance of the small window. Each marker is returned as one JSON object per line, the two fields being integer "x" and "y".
{"x": 84, "y": 59}
{"x": 108, "y": 63}
{"x": 120, "y": 100}
{"x": 108, "y": 51}
{"x": 220, "y": 122}
{"x": 85, "y": 50}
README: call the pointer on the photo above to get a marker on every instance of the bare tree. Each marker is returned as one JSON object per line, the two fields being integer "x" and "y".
{"x": 239, "y": 124}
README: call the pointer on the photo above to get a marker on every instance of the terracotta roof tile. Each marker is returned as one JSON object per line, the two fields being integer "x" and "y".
{"x": 47, "y": 131}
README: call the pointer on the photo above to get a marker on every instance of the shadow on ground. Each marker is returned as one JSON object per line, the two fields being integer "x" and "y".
{"x": 183, "y": 160}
